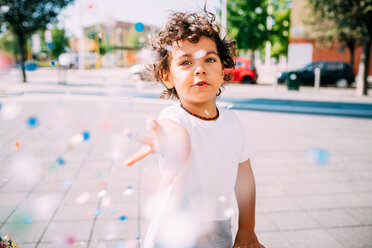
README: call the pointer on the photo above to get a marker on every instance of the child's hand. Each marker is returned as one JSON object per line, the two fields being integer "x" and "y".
{"x": 169, "y": 138}
{"x": 246, "y": 245}
{"x": 246, "y": 240}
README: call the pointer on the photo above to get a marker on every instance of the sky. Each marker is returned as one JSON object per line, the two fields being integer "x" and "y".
{"x": 149, "y": 12}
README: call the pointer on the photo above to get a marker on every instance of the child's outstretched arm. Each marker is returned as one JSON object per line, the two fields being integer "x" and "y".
{"x": 245, "y": 191}
{"x": 169, "y": 138}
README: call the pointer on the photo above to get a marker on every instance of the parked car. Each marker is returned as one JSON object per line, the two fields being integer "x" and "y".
{"x": 339, "y": 74}
{"x": 244, "y": 72}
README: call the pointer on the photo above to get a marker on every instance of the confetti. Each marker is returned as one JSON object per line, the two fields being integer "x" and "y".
{"x": 105, "y": 125}
{"x": 128, "y": 191}
{"x": 60, "y": 161}
{"x": 53, "y": 166}
{"x": 169, "y": 48}
{"x": 229, "y": 212}
{"x": 53, "y": 63}
{"x": 17, "y": 144}
{"x": 100, "y": 35}
{"x": 139, "y": 27}
{"x": 205, "y": 111}
{"x": 318, "y": 156}
{"x": 123, "y": 217}
{"x": 32, "y": 122}
{"x": 83, "y": 198}
{"x": 10, "y": 111}
{"x": 102, "y": 193}
{"x": 199, "y": 54}
{"x": 86, "y": 135}
{"x": 27, "y": 220}
{"x": 70, "y": 240}
{"x": 97, "y": 212}
{"x": 106, "y": 202}
{"x": 65, "y": 184}
{"x": 76, "y": 139}
{"x": 222, "y": 198}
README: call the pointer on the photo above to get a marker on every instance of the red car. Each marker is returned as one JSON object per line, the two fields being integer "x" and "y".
{"x": 244, "y": 71}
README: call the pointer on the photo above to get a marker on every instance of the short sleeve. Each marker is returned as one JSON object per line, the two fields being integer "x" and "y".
{"x": 171, "y": 113}
{"x": 245, "y": 152}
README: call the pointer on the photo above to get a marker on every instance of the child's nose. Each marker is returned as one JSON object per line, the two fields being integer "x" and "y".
{"x": 200, "y": 71}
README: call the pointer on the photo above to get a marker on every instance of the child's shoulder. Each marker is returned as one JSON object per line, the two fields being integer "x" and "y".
{"x": 173, "y": 112}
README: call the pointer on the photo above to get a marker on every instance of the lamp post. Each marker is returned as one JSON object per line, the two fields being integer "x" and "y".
{"x": 269, "y": 25}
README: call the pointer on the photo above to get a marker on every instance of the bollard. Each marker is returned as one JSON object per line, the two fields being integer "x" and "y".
{"x": 317, "y": 79}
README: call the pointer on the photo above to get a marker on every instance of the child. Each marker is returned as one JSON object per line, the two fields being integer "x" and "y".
{"x": 203, "y": 151}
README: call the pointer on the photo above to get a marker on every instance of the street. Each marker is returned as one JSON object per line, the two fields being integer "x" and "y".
{"x": 63, "y": 182}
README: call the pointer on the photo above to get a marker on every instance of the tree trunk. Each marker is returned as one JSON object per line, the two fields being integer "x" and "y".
{"x": 366, "y": 56}
{"x": 21, "y": 45}
{"x": 351, "y": 45}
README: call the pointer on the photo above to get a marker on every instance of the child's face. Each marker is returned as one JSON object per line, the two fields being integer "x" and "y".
{"x": 195, "y": 71}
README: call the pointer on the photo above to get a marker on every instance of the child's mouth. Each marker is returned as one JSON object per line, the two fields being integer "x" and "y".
{"x": 201, "y": 84}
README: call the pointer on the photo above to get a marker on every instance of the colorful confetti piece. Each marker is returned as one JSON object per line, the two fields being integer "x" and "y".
{"x": 60, "y": 161}
{"x": 139, "y": 27}
{"x": 27, "y": 220}
{"x": 86, "y": 135}
{"x": 17, "y": 144}
{"x": 123, "y": 217}
{"x": 32, "y": 122}
{"x": 53, "y": 63}
{"x": 318, "y": 156}
{"x": 70, "y": 240}
{"x": 83, "y": 198}
{"x": 97, "y": 212}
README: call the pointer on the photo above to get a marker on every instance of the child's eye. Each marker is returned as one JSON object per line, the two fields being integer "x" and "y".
{"x": 186, "y": 62}
{"x": 210, "y": 60}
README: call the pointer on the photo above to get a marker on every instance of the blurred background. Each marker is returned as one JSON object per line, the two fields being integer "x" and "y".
{"x": 71, "y": 80}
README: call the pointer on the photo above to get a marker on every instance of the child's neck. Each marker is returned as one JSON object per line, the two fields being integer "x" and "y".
{"x": 202, "y": 109}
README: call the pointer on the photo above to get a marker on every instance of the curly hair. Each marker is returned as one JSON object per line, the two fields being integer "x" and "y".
{"x": 191, "y": 27}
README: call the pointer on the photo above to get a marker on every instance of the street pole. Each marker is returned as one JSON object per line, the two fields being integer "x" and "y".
{"x": 81, "y": 51}
{"x": 223, "y": 18}
{"x": 269, "y": 24}
{"x": 317, "y": 79}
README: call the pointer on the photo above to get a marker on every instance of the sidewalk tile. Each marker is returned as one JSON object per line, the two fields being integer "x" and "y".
{"x": 360, "y": 237}
{"x": 274, "y": 240}
{"x": 333, "y": 218}
{"x": 275, "y": 204}
{"x": 5, "y": 212}
{"x": 20, "y": 232}
{"x": 79, "y": 230}
{"x": 363, "y": 215}
{"x": 75, "y": 212}
{"x": 115, "y": 229}
{"x": 293, "y": 220}
{"x": 127, "y": 210}
{"x": 312, "y": 238}
{"x": 12, "y": 199}
{"x": 265, "y": 224}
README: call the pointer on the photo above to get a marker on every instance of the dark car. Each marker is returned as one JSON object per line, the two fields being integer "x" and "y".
{"x": 339, "y": 74}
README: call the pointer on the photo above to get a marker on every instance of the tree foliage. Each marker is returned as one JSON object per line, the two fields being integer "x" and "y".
{"x": 350, "y": 18}
{"x": 60, "y": 41}
{"x": 246, "y": 22}
{"x": 24, "y": 17}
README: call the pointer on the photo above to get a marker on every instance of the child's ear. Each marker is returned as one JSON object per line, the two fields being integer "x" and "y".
{"x": 166, "y": 81}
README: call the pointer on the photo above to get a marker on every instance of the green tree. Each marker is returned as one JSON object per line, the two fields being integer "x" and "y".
{"x": 347, "y": 15}
{"x": 60, "y": 41}
{"x": 279, "y": 35}
{"x": 246, "y": 22}
{"x": 24, "y": 17}
{"x": 327, "y": 32}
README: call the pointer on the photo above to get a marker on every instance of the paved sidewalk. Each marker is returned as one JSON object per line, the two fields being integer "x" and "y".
{"x": 313, "y": 173}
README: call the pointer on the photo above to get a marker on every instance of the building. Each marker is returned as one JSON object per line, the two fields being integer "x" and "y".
{"x": 114, "y": 45}
{"x": 302, "y": 51}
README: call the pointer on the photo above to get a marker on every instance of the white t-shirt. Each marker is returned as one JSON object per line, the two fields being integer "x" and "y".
{"x": 205, "y": 185}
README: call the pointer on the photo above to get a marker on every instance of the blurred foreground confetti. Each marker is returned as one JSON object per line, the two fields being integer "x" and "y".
{"x": 318, "y": 156}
